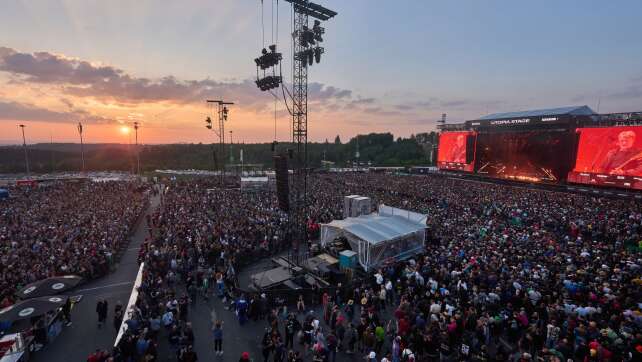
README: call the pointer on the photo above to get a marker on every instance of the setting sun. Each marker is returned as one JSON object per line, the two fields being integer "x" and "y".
{"x": 124, "y": 130}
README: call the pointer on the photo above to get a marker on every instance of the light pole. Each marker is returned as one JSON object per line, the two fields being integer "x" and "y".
{"x": 137, "y": 151}
{"x": 24, "y": 144}
{"x": 82, "y": 151}
{"x": 222, "y": 117}
{"x": 231, "y": 153}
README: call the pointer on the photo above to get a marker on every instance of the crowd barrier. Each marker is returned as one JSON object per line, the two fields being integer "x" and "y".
{"x": 130, "y": 304}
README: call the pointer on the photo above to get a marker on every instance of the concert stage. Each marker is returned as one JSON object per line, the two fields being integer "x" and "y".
{"x": 555, "y": 146}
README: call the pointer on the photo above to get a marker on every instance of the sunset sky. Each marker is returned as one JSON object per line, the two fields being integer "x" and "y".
{"x": 389, "y": 65}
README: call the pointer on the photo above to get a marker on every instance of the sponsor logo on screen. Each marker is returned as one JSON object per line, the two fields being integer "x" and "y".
{"x": 502, "y": 122}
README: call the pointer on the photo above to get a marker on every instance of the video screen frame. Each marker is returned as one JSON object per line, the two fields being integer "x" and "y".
{"x": 452, "y": 153}
{"x": 608, "y": 156}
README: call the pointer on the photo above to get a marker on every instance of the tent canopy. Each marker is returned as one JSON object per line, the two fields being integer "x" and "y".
{"x": 390, "y": 233}
{"x": 376, "y": 228}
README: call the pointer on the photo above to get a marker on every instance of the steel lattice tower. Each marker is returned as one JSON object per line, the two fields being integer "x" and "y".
{"x": 303, "y": 9}
{"x": 299, "y": 207}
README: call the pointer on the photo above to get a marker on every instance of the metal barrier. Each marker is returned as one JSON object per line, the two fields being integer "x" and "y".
{"x": 130, "y": 304}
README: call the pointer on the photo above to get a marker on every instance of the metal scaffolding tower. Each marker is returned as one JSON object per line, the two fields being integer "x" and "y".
{"x": 306, "y": 50}
{"x": 304, "y": 39}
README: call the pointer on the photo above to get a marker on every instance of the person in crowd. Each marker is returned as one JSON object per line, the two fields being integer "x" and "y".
{"x": 118, "y": 315}
{"x": 101, "y": 309}
{"x": 188, "y": 355}
{"x": 218, "y": 337}
{"x": 245, "y": 357}
{"x": 66, "y": 312}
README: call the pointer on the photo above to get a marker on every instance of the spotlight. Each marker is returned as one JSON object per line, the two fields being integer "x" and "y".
{"x": 318, "y": 31}
{"x": 307, "y": 37}
{"x": 303, "y": 40}
{"x": 269, "y": 82}
{"x": 267, "y": 60}
{"x": 317, "y": 54}
{"x": 310, "y": 56}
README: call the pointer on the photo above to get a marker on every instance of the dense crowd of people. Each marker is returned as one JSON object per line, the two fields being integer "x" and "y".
{"x": 509, "y": 273}
{"x": 199, "y": 238}
{"x": 63, "y": 228}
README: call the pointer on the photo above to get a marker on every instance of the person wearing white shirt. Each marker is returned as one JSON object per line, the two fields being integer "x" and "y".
{"x": 435, "y": 308}
{"x": 449, "y": 309}
{"x": 379, "y": 278}
{"x": 389, "y": 290}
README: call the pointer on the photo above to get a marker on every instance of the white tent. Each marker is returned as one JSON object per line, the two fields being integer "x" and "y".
{"x": 389, "y": 234}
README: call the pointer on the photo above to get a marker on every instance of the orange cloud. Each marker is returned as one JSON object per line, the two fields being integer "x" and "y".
{"x": 49, "y": 89}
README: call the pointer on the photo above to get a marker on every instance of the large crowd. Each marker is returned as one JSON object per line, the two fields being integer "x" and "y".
{"x": 63, "y": 228}
{"x": 509, "y": 273}
{"x": 199, "y": 238}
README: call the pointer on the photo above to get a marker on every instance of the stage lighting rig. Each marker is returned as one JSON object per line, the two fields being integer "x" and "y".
{"x": 269, "y": 82}
{"x": 306, "y": 38}
{"x": 318, "y": 31}
{"x": 306, "y": 50}
{"x": 225, "y": 112}
{"x": 268, "y": 59}
{"x": 309, "y": 56}
{"x": 317, "y": 54}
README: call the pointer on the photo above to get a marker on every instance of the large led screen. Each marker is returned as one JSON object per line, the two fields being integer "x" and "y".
{"x": 456, "y": 151}
{"x": 610, "y": 156}
{"x": 531, "y": 156}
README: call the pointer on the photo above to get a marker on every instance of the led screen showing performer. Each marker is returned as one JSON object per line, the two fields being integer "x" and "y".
{"x": 453, "y": 151}
{"x": 532, "y": 156}
{"x": 609, "y": 156}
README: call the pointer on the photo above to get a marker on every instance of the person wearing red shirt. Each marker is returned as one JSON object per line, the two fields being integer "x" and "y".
{"x": 403, "y": 327}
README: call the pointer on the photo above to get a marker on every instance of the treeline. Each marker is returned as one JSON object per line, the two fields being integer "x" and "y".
{"x": 376, "y": 149}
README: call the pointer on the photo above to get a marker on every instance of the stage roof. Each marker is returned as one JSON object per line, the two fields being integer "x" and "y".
{"x": 571, "y": 111}
{"x": 375, "y": 228}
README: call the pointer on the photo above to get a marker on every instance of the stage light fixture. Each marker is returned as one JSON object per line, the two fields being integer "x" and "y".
{"x": 269, "y": 82}
{"x": 307, "y": 37}
{"x": 318, "y": 31}
{"x": 268, "y": 59}
{"x": 317, "y": 54}
{"x": 310, "y": 56}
